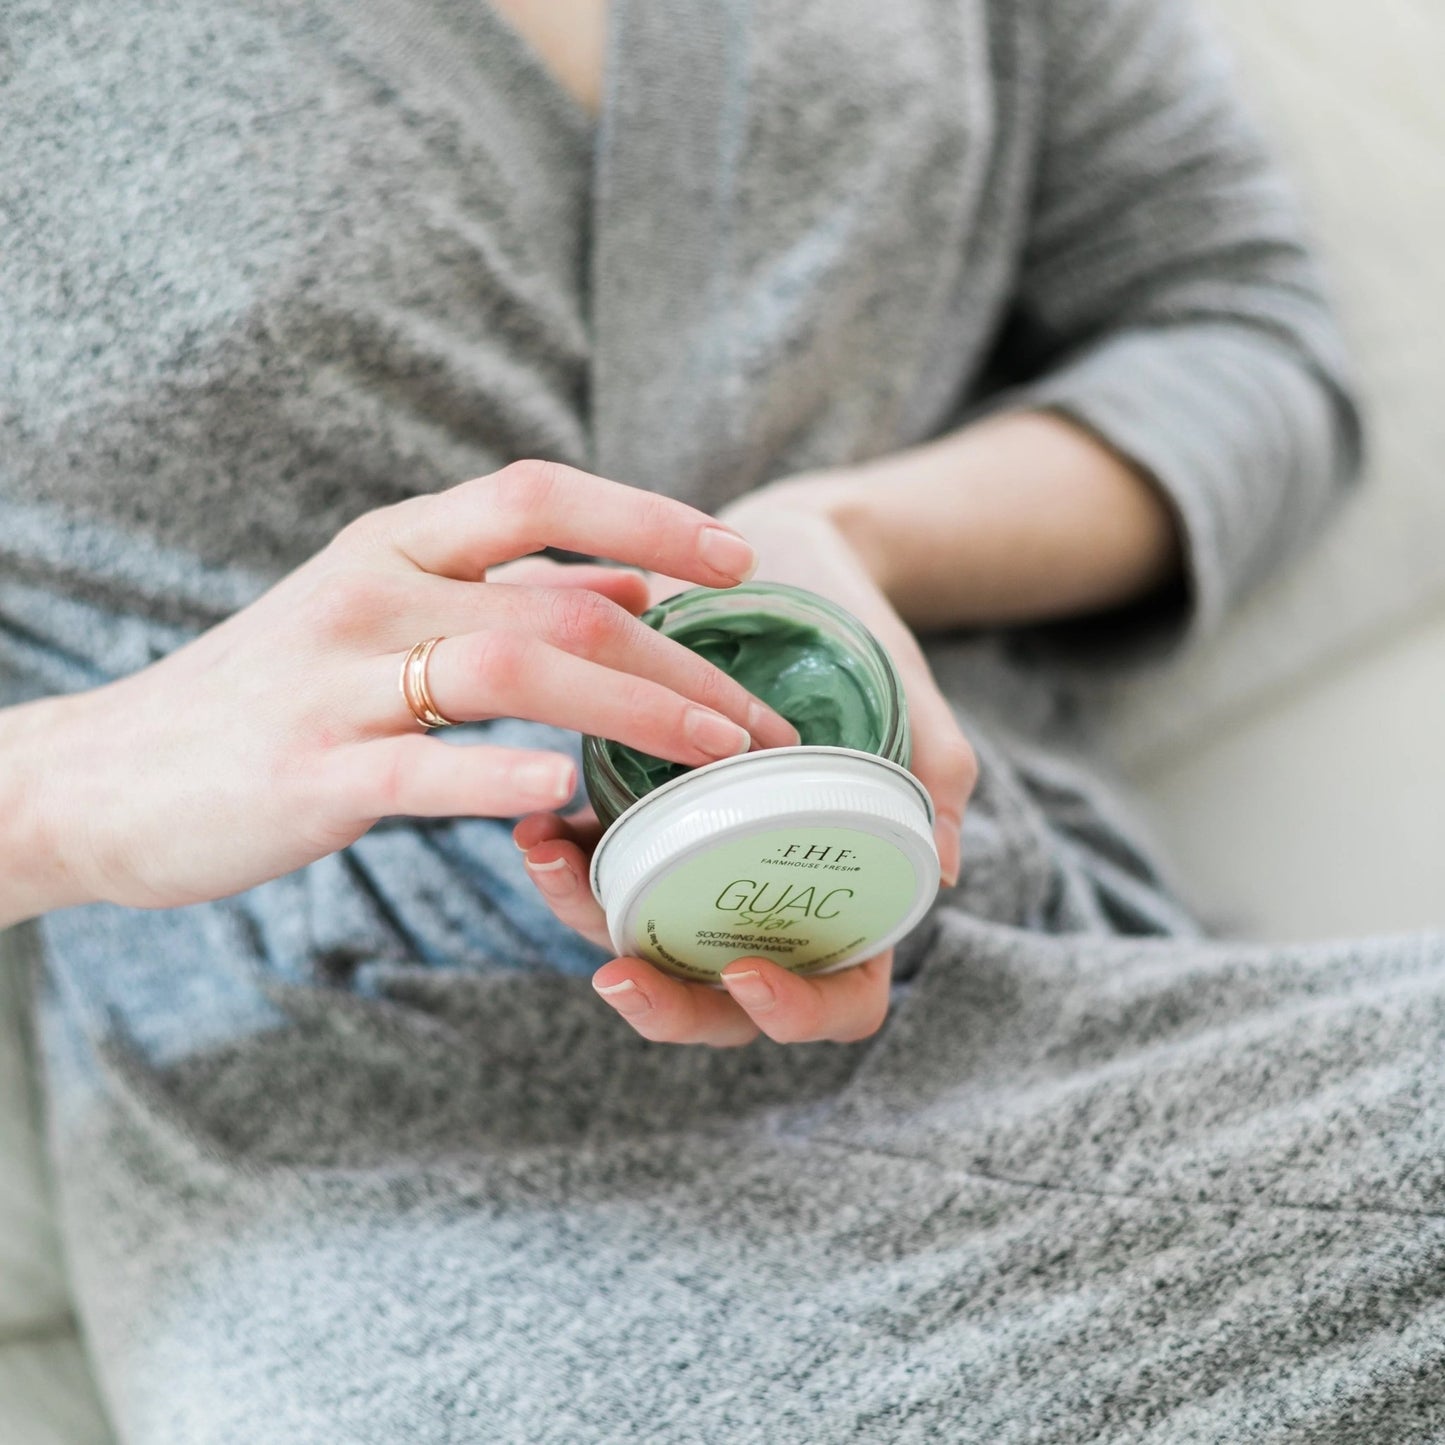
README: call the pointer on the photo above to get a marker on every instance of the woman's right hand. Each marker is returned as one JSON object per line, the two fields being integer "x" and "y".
{"x": 281, "y": 735}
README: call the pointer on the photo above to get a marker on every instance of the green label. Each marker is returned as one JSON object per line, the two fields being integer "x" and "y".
{"x": 803, "y": 897}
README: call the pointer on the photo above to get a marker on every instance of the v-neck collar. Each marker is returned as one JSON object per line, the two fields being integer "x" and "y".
{"x": 756, "y": 304}
{"x": 669, "y": 143}
{"x": 524, "y": 54}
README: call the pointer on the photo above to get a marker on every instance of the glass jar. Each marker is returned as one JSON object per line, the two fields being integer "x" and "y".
{"x": 816, "y": 856}
{"x": 612, "y": 775}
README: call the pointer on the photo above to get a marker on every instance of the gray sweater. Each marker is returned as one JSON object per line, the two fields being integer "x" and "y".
{"x": 266, "y": 265}
{"x": 358, "y": 1156}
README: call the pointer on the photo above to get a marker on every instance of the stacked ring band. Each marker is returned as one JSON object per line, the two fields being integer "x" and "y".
{"x": 415, "y": 689}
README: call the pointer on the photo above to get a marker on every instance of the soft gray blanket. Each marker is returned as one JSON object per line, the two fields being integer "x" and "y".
{"x": 358, "y": 1156}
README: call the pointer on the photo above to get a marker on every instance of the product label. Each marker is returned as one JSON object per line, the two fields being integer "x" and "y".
{"x": 803, "y": 897}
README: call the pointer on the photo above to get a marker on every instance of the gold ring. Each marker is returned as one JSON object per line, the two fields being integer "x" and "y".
{"x": 414, "y": 688}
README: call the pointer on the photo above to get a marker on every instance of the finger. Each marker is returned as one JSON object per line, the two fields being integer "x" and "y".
{"x": 420, "y": 777}
{"x": 581, "y": 828}
{"x": 534, "y": 504}
{"x": 942, "y": 759}
{"x": 587, "y": 625}
{"x": 790, "y": 1009}
{"x": 509, "y": 674}
{"x": 628, "y": 589}
{"x": 558, "y": 869}
{"x": 946, "y": 765}
{"x": 670, "y": 1011}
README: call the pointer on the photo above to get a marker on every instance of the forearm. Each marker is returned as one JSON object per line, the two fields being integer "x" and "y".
{"x": 1023, "y": 517}
{"x": 34, "y": 875}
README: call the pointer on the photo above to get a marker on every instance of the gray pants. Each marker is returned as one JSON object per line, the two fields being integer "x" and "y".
{"x": 1080, "y": 1188}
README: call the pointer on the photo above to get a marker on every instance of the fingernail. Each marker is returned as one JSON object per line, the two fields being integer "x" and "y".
{"x": 750, "y": 990}
{"x": 762, "y": 719}
{"x": 555, "y": 878}
{"x": 626, "y": 998}
{"x": 546, "y": 780}
{"x": 726, "y": 552}
{"x": 714, "y": 735}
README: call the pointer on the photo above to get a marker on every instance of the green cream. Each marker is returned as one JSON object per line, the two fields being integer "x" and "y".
{"x": 814, "y": 681}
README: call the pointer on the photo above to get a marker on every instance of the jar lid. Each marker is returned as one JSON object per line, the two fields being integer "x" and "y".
{"x": 815, "y": 857}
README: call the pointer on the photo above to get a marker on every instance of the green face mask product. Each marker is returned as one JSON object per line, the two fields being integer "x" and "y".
{"x": 816, "y": 856}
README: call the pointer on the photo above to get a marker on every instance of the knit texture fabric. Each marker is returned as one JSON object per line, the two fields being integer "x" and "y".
{"x": 358, "y": 1156}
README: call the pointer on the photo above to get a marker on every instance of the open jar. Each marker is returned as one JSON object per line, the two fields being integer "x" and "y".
{"x": 816, "y": 856}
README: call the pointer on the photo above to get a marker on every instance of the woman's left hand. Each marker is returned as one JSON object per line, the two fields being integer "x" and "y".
{"x": 796, "y": 543}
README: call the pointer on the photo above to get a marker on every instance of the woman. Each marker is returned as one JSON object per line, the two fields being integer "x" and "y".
{"x": 989, "y": 319}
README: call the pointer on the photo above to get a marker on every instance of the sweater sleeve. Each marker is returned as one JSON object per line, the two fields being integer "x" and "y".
{"x": 1180, "y": 313}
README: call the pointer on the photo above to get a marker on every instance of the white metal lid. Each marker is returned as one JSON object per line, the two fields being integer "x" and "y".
{"x": 736, "y": 798}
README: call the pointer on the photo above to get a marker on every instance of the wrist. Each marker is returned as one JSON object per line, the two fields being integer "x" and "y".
{"x": 1020, "y": 518}
{"x": 36, "y": 873}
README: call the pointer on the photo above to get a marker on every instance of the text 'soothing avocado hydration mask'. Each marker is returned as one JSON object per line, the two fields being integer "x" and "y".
{"x": 816, "y": 856}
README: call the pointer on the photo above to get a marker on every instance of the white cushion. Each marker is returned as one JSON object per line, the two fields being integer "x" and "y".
{"x": 46, "y": 1395}
{"x": 1325, "y": 815}
{"x": 32, "y": 1285}
{"x": 1352, "y": 94}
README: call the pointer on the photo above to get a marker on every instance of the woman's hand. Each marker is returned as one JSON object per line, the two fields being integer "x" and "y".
{"x": 801, "y": 546}
{"x": 281, "y": 735}
{"x": 760, "y": 998}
